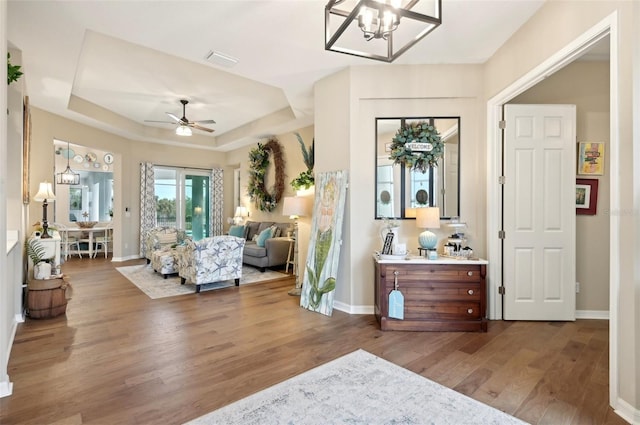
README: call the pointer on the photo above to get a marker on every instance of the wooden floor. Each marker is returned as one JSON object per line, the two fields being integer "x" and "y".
{"x": 118, "y": 357}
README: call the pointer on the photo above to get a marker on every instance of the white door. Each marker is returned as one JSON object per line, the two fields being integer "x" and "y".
{"x": 539, "y": 212}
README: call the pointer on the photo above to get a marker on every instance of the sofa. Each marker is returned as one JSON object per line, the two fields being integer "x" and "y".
{"x": 212, "y": 259}
{"x": 266, "y": 251}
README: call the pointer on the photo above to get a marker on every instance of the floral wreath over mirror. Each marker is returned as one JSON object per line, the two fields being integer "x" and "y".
{"x": 258, "y": 166}
{"x": 417, "y": 145}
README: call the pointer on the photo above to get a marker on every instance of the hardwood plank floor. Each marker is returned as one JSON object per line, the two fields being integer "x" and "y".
{"x": 118, "y": 357}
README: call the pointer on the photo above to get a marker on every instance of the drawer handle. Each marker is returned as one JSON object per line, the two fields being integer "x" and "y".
{"x": 470, "y": 310}
{"x": 469, "y": 273}
{"x": 470, "y": 292}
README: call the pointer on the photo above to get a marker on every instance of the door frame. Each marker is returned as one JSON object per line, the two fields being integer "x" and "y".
{"x": 566, "y": 55}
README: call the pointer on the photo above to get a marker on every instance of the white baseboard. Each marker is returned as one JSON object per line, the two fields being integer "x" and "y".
{"x": 127, "y": 258}
{"x": 353, "y": 309}
{"x": 592, "y": 314}
{"x": 6, "y": 388}
{"x": 627, "y": 412}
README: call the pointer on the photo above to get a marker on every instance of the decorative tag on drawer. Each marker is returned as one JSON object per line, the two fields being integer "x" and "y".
{"x": 396, "y": 300}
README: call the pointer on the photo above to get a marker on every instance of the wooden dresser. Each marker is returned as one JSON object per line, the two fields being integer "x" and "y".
{"x": 439, "y": 295}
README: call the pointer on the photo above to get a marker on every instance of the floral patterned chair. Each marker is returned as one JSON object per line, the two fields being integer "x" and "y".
{"x": 213, "y": 259}
{"x": 162, "y": 238}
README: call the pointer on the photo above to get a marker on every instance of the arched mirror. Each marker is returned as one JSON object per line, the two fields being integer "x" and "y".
{"x": 400, "y": 189}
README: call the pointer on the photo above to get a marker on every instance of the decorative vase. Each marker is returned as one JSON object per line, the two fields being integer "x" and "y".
{"x": 42, "y": 270}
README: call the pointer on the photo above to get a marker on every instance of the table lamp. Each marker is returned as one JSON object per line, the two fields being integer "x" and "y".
{"x": 428, "y": 218}
{"x": 240, "y": 214}
{"x": 45, "y": 193}
{"x": 295, "y": 207}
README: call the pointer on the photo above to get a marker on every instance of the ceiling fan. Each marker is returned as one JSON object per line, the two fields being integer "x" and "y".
{"x": 184, "y": 125}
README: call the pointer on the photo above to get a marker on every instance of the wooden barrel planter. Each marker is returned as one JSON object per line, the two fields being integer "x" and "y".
{"x": 46, "y": 298}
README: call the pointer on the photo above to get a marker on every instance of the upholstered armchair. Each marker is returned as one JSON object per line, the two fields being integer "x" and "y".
{"x": 209, "y": 260}
{"x": 160, "y": 238}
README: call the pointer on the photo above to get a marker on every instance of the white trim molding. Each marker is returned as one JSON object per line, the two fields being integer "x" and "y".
{"x": 627, "y": 412}
{"x": 353, "y": 309}
{"x": 592, "y": 314}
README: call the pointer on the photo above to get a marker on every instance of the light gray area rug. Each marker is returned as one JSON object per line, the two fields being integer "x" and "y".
{"x": 155, "y": 286}
{"x": 358, "y": 388}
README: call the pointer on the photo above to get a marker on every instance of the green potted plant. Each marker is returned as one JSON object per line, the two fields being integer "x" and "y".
{"x": 37, "y": 253}
{"x": 13, "y": 71}
{"x": 305, "y": 180}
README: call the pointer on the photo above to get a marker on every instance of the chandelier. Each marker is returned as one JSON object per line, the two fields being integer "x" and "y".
{"x": 379, "y": 29}
{"x": 68, "y": 176}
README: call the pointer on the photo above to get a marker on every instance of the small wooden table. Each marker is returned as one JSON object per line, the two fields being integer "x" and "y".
{"x": 439, "y": 295}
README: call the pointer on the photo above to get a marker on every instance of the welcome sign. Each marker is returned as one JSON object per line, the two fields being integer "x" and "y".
{"x": 419, "y": 147}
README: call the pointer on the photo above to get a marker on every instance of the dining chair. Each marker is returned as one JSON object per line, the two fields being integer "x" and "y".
{"x": 102, "y": 242}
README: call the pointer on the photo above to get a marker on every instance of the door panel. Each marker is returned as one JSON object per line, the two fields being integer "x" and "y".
{"x": 539, "y": 212}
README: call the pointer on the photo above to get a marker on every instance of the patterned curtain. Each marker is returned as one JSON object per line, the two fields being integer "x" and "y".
{"x": 216, "y": 202}
{"x": 147, "y": 203}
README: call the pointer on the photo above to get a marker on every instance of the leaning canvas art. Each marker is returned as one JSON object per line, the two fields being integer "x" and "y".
{"x": 321, "y": 267}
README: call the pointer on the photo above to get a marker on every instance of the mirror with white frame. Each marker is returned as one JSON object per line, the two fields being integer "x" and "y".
{"x": 399, "y": 189}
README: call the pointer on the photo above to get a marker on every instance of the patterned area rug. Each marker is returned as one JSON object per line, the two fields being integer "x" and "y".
{"x": 358, "y": 388}
{"x": 155, "y": 286}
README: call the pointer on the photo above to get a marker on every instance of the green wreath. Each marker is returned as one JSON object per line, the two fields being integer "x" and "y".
{"x": 417, "y": 132}
{"x": 258, "y": 166}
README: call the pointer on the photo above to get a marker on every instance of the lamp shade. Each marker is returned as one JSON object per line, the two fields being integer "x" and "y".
{"x": 241, "y": 212}
{"x": 45, "y": 193}
{"x": 295, "y": 206}
{"x": 428, "y": 218}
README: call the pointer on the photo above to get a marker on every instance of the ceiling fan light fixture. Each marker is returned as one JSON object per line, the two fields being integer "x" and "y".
{"x": 183, "y": 130}
{"x": 378, "y": 29}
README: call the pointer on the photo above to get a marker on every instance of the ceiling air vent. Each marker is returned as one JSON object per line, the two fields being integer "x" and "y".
{"x": 221, "y": 59}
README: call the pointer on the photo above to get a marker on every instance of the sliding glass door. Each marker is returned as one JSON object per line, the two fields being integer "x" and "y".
{"x": 182, "y": 200}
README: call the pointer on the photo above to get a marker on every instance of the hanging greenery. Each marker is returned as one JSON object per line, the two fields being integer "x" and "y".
{"x": 258, "y": 167}
{"x": 305, "y": 180}
{"x": 13, "y": 71}
{"x": 417, "y": 145}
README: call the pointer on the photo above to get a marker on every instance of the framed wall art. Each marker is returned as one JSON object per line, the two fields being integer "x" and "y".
{"x": 586, "y": 196}
{"x": 591, "y": 158}
{"x": 26, "y": 149}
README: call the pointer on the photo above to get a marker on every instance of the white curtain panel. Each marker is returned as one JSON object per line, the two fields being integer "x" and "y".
{"x": 147, "y": 202}
{"x": 216, "y": 202}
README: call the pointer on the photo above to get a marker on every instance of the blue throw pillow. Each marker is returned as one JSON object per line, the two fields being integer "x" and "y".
{"x": 236, "y": 231}
{"x": 263, "y": 236}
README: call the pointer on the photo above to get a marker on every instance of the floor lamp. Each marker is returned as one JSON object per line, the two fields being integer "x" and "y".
{"x": 295, "y": 207}
{"x": 45, "y": 193}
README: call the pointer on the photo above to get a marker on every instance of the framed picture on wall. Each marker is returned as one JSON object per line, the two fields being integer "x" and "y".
{"x": 586, "y": 196}
{"x": 591, "y": 158}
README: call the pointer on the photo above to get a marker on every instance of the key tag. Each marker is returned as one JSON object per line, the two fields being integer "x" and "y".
{"x": 396, "y": 300}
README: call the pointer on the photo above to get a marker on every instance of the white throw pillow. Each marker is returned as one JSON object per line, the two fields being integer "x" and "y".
{"x": 167, "y": 238}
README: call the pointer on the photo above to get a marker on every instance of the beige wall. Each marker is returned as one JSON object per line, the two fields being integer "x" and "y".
{"x": 347, "y": 104}
{"x": 586, "y": 85}
{"x": 294, "y": 165}
{"x": 128, "y": 156}
{"x": 538, "y": 40}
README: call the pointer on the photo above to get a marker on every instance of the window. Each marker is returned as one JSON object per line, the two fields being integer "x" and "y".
{"x": 182, "y": 200}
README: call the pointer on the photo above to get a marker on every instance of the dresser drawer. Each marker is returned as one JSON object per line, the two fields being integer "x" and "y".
{"x": 434, "y": 273}
{"x": 416, "y": 310}
{"x": 436, "y": 291}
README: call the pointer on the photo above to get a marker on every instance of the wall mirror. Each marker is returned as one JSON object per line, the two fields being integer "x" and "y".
{"x": 92, "y": 198}
{"x": 399, "y": 190}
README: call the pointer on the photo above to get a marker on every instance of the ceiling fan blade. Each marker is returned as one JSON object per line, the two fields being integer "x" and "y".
{"x": 199, "y": 127}
{"x": 174, "y": 117}
{"x": 163, "y": 122}
{"x": 205, "y": 122}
